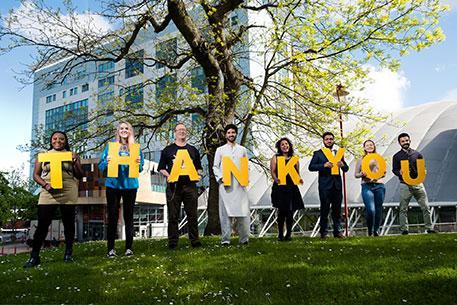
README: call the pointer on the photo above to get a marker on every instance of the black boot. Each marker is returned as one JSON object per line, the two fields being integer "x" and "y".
{"x": 68, "y": 257}
{"x": 33, "y": 261}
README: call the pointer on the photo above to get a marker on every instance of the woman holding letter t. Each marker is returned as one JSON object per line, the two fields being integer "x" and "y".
{"x": 59, "y": 162}
{"x": 121, "y": 157}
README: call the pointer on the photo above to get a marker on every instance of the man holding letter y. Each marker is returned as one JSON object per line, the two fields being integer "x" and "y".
{"x": 328, "y": 163}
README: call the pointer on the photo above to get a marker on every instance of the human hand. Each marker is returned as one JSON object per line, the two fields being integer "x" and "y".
{"x": 363, "y": 174}
{"x": 328, "y": 164}
{"x": 75, "y": 157}
{"x": 108, "y": 158}
{"x": 138, "y": 160}
{"x": 47, "y": 187}
{"x": 340, "y": 164}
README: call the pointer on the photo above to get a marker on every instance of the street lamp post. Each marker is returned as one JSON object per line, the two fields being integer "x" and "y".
{"x": 341, "y": 93}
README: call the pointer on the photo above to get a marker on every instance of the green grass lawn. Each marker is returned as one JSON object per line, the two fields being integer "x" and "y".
{"x": 414, "y": 269}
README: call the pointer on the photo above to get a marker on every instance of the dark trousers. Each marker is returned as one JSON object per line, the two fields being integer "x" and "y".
{"x": 45, "y": 215}
{"x": 330, "y": 198}
{"x": 113, "y": 198}
{"x": 288, "y": 217}
{"x": 186, "y": 194}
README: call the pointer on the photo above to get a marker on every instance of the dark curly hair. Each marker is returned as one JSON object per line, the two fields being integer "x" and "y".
{"x": 290, "y": 153}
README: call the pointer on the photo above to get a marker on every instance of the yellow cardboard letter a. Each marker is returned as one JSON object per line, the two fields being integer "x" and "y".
{"x": 229, "y": 168}
{"x": 334, "y": 159}
{"x": 55, "y": 159}
{"x": 420, "y": 163}
{"x": 289, "y": 168}
{"x": 116, "y": 160}
{"x": 183, "y": 166}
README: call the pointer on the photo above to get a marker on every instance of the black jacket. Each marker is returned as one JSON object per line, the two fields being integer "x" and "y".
{"x": 326, "y": 180}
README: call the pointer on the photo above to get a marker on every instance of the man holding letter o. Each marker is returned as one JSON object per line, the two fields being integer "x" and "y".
{"x": 179, "y": 163}
{"x": 328, "y": 162}
{"x": 231, "y": 171}
{"x": 407, "y": 191}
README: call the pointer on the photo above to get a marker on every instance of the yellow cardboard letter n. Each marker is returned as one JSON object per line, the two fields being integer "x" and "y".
{"x": 183, "y": 166}
{"x": 288, "y": 168}
{"x": 229, "y": 168}
{"x": 55, "y": 160}
{"x": 116, "y": 160}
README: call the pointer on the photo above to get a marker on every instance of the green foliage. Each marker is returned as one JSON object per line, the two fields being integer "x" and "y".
{"x": 415, "y": 269}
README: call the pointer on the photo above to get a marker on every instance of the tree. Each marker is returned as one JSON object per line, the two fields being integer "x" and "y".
{"x": 299, "y": 49}
{"x": 16, "y": 201}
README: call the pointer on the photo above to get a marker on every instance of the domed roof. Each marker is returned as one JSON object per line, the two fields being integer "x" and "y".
{"x": 433, "y": 131}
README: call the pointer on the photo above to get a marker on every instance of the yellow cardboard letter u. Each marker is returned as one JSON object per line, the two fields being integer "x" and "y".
{"x": 421, "y": 172}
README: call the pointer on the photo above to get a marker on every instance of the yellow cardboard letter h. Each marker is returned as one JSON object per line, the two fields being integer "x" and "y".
{"x": 116, "y": 160}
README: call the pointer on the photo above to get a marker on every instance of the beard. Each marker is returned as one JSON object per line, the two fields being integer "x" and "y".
{"x": 328, "y": 146}
{"x": 405, "y": 146}
{"x": 231, "y": 139}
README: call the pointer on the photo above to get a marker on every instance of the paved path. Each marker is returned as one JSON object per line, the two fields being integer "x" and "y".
{"x": 14, "y": 248}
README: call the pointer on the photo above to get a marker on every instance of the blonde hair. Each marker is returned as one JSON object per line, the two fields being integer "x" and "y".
{"x": 131, "y": 138}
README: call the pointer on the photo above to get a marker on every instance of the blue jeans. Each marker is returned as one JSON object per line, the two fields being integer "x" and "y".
{"x": 373, "y": 198}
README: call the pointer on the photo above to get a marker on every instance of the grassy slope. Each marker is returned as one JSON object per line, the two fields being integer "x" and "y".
{"x": 420, "y": 269}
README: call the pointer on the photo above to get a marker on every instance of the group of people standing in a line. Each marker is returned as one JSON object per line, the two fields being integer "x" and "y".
{"x": 233, "y": 199}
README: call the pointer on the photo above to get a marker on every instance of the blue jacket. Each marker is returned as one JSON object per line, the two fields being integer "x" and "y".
{"x": 123, "y": 181}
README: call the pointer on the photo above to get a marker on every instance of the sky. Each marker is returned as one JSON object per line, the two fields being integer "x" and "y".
{"x": 427, "y": 76}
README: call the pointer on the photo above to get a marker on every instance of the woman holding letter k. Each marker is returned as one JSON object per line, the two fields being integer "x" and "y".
{"x": 123, "y": 160}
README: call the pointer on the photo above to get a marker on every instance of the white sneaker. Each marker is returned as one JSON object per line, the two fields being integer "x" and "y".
{"x": 111, "y": 253}
{"x": 128, "y": 252}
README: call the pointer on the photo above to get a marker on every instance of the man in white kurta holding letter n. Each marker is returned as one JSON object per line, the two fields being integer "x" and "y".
{"x": 233, "y": 199}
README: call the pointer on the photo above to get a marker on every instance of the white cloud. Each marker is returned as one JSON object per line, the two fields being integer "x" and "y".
{"x": 386, "y": 90}
{"x": 42, "y": 25}
{"x": 451, "y": 3}
{"x": 450, "y": 95}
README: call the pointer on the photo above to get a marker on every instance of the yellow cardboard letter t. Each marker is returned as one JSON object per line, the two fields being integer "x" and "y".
{"x": 116, "y": 160}
{"x": 55, "y": 160}
{"x": 241, "y": 174}
{"x": 334, "y": 159}
{"x": 382, "y": 166}
{"x": 183, "y": 166}
{"x": 288, "y": 168}
{"x": 421, "y": 172}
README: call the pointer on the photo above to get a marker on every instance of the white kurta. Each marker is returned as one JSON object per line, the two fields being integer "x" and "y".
{"x": 235, "y": 197}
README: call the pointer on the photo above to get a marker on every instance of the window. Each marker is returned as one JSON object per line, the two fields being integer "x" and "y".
{"x": 166, "y": 87}
{"x": 85, "y": 87}
{"x": 50, "y": 98}
{"x": 104, "y": 101}
{"x": 166, "y": 51}
{"x": 134, "y": 96}
{"x": 66, "y": 116}
{"x": 134, "y": 64}
{"x": 105, "y": 67}
{"x": 80, "y": 74}
{"x": 106, "y": 81}
{"x": 64, "y": 94}
{"x": 234, "y": 20}
{"x": 198, "y": 79}
{"x": 73, "y": 91}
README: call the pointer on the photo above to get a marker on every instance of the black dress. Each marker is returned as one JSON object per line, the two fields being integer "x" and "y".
{"x": 286, "y": 197}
